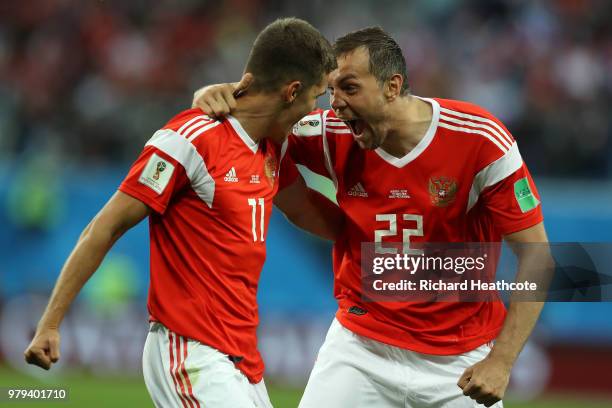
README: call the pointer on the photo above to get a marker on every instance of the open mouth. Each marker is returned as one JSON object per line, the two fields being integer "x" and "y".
{"x": 357, "y": 126}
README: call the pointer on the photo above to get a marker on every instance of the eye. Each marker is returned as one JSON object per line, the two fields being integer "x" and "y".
{"x": 350, "y": 89}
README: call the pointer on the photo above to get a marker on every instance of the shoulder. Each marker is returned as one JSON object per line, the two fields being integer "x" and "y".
{"x": 190, "y": 129}
{"x": 452, "y": 105}
{"x": 190, "y": 123}
{"x": 186, "y": 137}
{"x": 476, "y": 126}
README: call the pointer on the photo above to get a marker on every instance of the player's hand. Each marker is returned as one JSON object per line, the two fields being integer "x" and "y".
{"x": 44, "y": 350}
{"x": 219, "y": 100}
{"x": 486, "y": 381}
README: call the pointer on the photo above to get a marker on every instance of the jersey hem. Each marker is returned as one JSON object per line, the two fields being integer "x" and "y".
{"x": 419, "y": 346}
{"x": 142, "y": 197}
{"x": 253, "y": 378}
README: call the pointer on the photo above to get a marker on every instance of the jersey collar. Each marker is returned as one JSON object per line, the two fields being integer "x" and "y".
{"x": 421, "y": 146}
{"x": 251, "y": 144}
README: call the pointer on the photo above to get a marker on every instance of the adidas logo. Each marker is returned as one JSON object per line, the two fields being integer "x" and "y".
{"x": 231, "y": 176}
{"x": 357, "y": 191}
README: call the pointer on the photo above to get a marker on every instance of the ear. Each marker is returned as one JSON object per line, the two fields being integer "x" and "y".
{"x": 393, "y": 87}
{"x": 291, "y": 91}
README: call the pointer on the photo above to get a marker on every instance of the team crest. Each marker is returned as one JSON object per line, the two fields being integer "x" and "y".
{"x": 270, "y": 168}
{"x": 442, "y": 190}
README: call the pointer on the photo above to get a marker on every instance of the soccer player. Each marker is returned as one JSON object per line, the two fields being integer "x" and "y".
{"x": 207, "y": 188}
{"x": 411, "y": 170}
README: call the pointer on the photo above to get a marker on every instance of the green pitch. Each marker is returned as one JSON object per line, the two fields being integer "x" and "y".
{"x": 85, "y": 390}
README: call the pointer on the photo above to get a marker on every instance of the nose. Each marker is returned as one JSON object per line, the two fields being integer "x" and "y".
{"x": 337, "y": 103}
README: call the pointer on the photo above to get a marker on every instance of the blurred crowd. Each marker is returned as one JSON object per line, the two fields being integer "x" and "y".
{"x": 88, "y": 82}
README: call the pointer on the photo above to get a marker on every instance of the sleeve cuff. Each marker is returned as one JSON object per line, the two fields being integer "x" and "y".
{"x": 154, "y": 205}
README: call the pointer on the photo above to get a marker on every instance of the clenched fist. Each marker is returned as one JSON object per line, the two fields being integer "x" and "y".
{"x": 486, "y": 381}
{"x": 44, "y": 350}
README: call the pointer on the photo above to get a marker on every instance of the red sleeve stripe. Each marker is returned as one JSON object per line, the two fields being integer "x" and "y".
{"x": 502, "y": 133}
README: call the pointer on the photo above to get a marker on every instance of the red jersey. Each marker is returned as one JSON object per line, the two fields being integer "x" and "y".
{"x": 211, "y": 188}
{"x": 465, "y": 181}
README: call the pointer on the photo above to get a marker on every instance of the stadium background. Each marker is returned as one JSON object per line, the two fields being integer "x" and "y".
{"x": 83, "y": 85}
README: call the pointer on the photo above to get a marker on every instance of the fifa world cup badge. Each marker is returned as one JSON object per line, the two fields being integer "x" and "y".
{"x": 442, "y": 190}
{"x": 270, "y": 168}
{"x": 161, "y": 166}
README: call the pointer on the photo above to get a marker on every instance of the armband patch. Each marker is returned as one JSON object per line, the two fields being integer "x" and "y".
{"x": 310, "y": 125}
{"x": 156, "y": 174}
{"x": 524, "y": 196}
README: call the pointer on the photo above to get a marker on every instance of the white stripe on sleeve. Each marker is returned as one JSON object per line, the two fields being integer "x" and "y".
{"x": 184, "y": 152}
{"x": 479, "y": 119}
{"x": 494, "y": 173}
{"x": 478, "y": 125}
{"x": 191, "y": 121}
{"x": 474, "y": 131}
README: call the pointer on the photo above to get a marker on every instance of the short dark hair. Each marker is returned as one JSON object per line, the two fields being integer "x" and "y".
{"x": 386, "y": 57}
{"x": 289, "y": 49}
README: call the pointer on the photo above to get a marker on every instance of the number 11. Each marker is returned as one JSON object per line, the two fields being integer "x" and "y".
{"x": 253, "y": 204}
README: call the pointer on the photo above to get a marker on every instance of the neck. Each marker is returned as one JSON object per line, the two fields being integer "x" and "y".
{"x": 259, "y": 116}
{"x": 408, "y": 120}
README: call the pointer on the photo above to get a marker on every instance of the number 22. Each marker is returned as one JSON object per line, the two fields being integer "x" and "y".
{"x": 406, "y": 233}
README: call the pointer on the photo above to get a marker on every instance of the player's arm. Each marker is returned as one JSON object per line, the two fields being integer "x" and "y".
{"x": 309, "y": 210}
{"x": 487, "y": 380}
{"x": 119, "y": 214}
{"x": 535, "y": 263}
{"x": 306, "y": 149}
